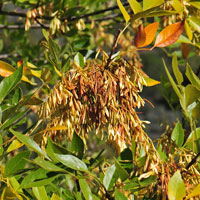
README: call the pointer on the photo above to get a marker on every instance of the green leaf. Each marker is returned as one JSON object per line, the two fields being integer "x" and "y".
{"x": 55, "y": 197}
{"x": 192, "y": 142}
{"x": 17, "y": 96}
{"x": 177, "y": 91}
{"x": 196, "y": 111}
{"x": 54, "y": 148}
{"x": 150, "y": 4}
{"x": 132, "y": 185}
{"x": 71, "y": 162}
{"x": 55, "y": 51}
{"x": 14, "y": 145}
{"x": 176, "y": 187}
{"x": 77, "y": 145}
{"x": 119, "y": 195}
{"x": 9, "y": 83}
{"x": 196, "y": 4}
{"x": 177, "y": 73}
{"x": 135, "y": 6}
{"x": 85, "y": 189}
{"x": 46, "y": 35}
{"x": 195, "y": 23}
{"x": 123, "y": 11}
{"x": 162, "y": 154}
{"x": 147, "y": 181}
{"x": 110, "y": 177}
{"x": 79, "y": 60}
{"x": 1, "y": 45}
{"x": 29, "y": 143}
{"x": 191, "y": 94}
{"x": 1, "y": 145}
{"x": 193, "y": 78}
{"x": 40, "y": 193}
{"x": 13, "y": 119}
{"x": 176, "y": 4}
{"x": 16, "y": 163}
{"x": 123, "y": 174}
{"x": 178, "y": 134}
{"x": 47, "y": 165}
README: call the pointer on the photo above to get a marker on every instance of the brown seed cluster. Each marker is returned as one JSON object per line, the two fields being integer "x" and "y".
{"x": 95, "y": 99}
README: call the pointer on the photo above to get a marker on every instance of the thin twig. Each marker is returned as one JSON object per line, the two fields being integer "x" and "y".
{"x": 73, "y": 18}
{"x": 193, "y": 161}
{"x": 113, "y": 49}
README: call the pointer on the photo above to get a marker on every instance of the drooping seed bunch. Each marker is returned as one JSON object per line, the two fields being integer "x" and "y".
{"x": 95, "y": 99}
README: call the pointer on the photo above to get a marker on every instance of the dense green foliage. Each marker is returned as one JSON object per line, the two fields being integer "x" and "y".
{"x": 73, "y": 83}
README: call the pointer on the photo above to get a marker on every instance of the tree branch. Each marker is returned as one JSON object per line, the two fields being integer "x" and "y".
{"x": 73, "y": 18}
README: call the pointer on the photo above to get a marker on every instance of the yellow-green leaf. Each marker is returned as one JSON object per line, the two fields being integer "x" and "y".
{"x": 6, "y": 69}
{"x": 14, "y": 145}
{"x": 194, "y": 192}
{"x": 188, "y": 30}
{"x": 176, "y": 4}
{"x": 135, "y": 6}
{"x": 55, "y": 197}
{"x": 176, "y": 187}
{"x": 123, "y": 11}
{"x": 150, "y": 82}
{"x": 196, "y": 4}
{"x": 177, "y": 73}
{"x": 195, "y": 22}
{"x": 147, "y": 4}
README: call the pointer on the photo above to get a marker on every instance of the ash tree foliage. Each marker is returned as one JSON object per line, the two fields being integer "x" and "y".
{"x": 71, "y": 90}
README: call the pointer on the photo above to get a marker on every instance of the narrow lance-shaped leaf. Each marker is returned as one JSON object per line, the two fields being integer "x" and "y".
{"x": 188, "y": 30}
{"x": 177, "y": 73}
{"x": 145, "y": 36}
{"x": 147, "y": 4}
{"x": 150, "y": 82}
{"x": 85, "y": 189}
{"x": 176, "y": 4}
{"x": 135, "y": 6}
{"x": 40, "y": 193}
{"x": 9, "y": 83}
{"x": 29, "y": 143}
{"x": 123, "y": 11}
{"x": 169, "y": 34}
{"x": 195, "y": 23}
{"x": 178, "y": 134}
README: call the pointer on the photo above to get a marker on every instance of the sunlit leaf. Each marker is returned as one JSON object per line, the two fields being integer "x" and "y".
{"x": 178, "y": 134}
{"x": 6, "y": 69}
{"x": 195, "y": 23}
{"x": 188, "y": 30}
{"x": 196, "y": 4}
{"x": 29, "y": 142}
{"x": 150, "y": 81}
{"x": 177, "y": 73}
{"x": 9, "y": 83}
{"x": 147, "y": 4}
{"x": 40, "y": 193}
{"x": 145, "y": 35}
{"x": 195, "y": 192}
{"x": 140, "y": 37}
{"x": 123, "y": 11}
{"x": 169, "y": 34}
{"x": 14, "y": 145}
{"x": 135, "y": 6}
{"x": 85, "y": 189}
{"x": 71, "y": 162}
{"x": 191, "y": 94}
{"x": 79, "y": 60}
{"x": 55, "y": 197}
{"x": 176, "y": 187}
{"x": 193, "y": 78}
{"x": 176, "y": 4}
{"x": 110, "y": 177}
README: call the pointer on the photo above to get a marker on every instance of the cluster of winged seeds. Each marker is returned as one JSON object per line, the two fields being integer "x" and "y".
{"x": 95, "y": 99}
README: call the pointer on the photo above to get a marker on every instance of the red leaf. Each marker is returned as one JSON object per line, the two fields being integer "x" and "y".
{"x": 140, "y": 37}
{"x": 145, "y": 36}
{"x": 170, "y": 34}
